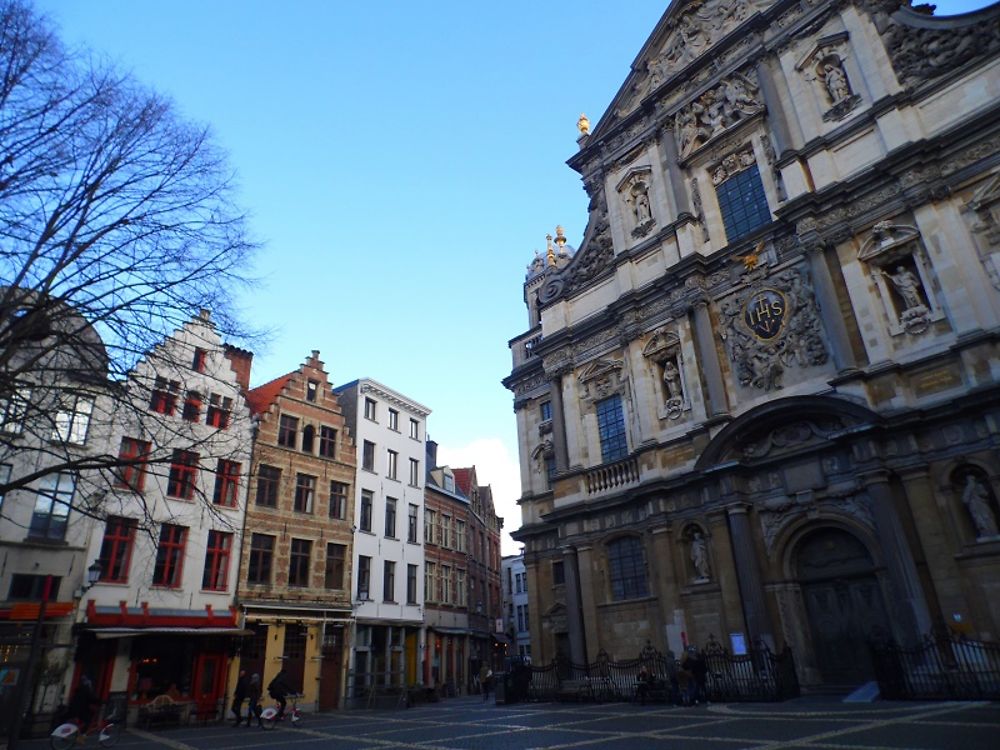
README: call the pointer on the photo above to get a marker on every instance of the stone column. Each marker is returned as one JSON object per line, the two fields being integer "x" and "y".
{"x": 829, "y": 308}
{"x": 708, "y": 358}
{"x": 748, "y": 576}
{"x": 588, "y": 604}
{"x": 910, "y": 615}
{"x": 664, "y": 583}
{"x": 558, "y": 424}
{"x": 675, "y": 177}
{"x": 775, "y": 111}
{"x": 574, "y": 612}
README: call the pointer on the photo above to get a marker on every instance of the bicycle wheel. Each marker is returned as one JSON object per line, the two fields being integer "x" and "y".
{"x": 63, "y": 737}
{"x": 109, "y": 734}
{"x": 268, "y": 719}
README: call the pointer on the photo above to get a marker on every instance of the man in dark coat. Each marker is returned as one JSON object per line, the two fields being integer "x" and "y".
{"x": 81, "y": 705}
{"x": 253, "y": 694}
{"x": 239, "y": 695}
{"x": 279, "y": 689}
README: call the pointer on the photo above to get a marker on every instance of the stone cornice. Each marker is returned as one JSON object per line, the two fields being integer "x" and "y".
{"x": 393, "y": 398}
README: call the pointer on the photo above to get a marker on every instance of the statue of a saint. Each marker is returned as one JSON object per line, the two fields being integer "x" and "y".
{"x": 672, "y": 379}
{"x": 977, "y": 499}
{"x": 836, "y": 82}
{"x": 907, "y": 285}
{"x": 699, "y": 556}
{"x": 640, "y": 204}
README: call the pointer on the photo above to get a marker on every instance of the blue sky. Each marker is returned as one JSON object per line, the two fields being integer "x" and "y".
{"x": 400, "y": 161}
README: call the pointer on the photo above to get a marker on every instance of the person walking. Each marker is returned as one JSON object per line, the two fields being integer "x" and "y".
{"x": 239, "y": 695}
{"x": 81, "y": 706}
{"x": 253, "y": 694}
{"x": 485, "y": 675}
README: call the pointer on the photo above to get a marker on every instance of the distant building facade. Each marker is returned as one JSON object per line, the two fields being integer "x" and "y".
{"x": 295, "y": 573}
{"x": 761, "y": 401}
{"x": 445, "y": 535}
{"x": 388, "y": 566}
{"x": 516, "y": 608}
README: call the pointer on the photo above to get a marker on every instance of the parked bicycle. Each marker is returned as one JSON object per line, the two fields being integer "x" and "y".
{"x": 65, "y": 735}
{"x": 269, "y": 716}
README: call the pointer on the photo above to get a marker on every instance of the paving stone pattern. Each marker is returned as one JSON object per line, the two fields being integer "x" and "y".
{"x": 469, "y": 724}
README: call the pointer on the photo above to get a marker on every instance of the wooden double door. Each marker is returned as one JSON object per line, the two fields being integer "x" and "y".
{"x": 844, "y": 605}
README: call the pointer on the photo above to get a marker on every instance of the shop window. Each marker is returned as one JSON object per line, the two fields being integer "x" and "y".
{"x": 261, "y": 558}
{"x": 611, "y": 428}
{"x": 52, "y": 503}
{"x": 183, "y": 478}
{"x": 333, "y": 577}
{"x": 227, "y": 483}
{"x": 338, "y": 500}
{"x": 116, "y": 549}
{"x": 132, "y": 457}
{"x": 627, "y": 569}
{"x": 268, "y": 481}
{"x": 216, "y": 571}
{"x": 170, "y": 556}
{"x": 164, "y": 397}
{"x": 298, "y": 562}
{"x": 327, "y": 442}
{"x": 24, "y": 587}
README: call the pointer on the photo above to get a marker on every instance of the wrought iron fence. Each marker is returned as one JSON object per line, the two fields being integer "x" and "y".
{"x": 759, "y": 675}
{"x": 942, "y": 667}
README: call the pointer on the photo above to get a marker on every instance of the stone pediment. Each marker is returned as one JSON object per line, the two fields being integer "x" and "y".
{"x": 688, "y": 29}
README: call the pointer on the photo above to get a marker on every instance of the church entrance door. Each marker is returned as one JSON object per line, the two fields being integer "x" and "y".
{"x": 843, "y": 603}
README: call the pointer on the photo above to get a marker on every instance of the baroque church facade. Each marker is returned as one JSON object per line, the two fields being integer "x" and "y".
{"x": 761, "y": 401}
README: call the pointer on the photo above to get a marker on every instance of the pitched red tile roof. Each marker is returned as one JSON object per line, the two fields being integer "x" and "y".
{"x": 261, "y": 397}
{"x": 463, "y": 480}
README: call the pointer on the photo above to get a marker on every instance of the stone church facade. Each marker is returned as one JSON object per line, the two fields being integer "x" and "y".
{"x": 761, "y": 401}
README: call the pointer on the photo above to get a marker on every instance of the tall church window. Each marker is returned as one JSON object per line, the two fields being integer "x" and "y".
{"x": 743, "y": 203}
{"x": 611, "y": 428}
{"x": 627, "y": 569}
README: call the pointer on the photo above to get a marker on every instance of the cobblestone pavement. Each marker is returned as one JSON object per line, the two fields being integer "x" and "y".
{"x": 470, "y": 724}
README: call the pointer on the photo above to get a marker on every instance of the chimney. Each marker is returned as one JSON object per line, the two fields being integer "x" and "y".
{"x": 432, "y": 454}
{"x": 240, "y": 360}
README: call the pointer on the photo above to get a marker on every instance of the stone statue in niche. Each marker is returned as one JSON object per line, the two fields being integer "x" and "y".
{"x": 674, "y": 388}
{"x": 699, "y": 558}
{"x": 637, "y": 198}
{"x": 907, "y": 285}
{"x": 976, "y": 497}
{"x": 835, "y": 79}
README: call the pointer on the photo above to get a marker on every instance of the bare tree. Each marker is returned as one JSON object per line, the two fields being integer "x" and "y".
{"x": 117, "y": 227}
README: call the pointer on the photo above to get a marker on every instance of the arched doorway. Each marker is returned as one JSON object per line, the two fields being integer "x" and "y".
{"x": 843, "y": 603}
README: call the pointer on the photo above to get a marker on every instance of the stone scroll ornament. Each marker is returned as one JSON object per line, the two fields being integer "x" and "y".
{"x": 771, "y": 328}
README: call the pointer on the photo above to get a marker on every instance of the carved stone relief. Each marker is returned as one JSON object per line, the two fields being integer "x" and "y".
{"x": 732, "y": 164}
{"x": 824, "y": 67}
{"x": 773, "y": 326}
{"x": 778, "y": 513}
{"x": 902, "y": 275}
{"x": 979, "y": 501}
{"x": 984, "y": 207}
{"x": 716, "y": 110}
{"x": 603, "y": 378}
{"x": 922, "y": 52}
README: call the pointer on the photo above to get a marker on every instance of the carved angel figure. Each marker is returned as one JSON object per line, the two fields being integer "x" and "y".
{"x": 977, "y": 500}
